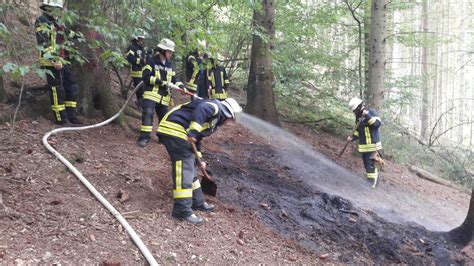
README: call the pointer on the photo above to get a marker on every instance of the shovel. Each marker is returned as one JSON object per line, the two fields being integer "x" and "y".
{"x": 208, "y": 185}
{"x": 349, "y": 141}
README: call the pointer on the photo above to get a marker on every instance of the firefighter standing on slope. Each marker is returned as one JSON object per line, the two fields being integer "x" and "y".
{"x": 186, "y": 123}
{"x": 194, "y": 67}
{"x": 51, "y": 36}
{"x": 136, "y": 57}
{"x": 218, "y": 80}
{"x": 368, "y": 136}
{"x": 156, "y": 96}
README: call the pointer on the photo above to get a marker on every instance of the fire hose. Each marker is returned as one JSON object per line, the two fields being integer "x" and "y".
{"x": 144, "y": 250}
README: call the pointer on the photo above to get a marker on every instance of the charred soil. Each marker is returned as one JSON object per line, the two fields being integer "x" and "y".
{"x": 265, "y": 213}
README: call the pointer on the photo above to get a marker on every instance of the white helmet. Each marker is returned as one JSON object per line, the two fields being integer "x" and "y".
{"x": 53, "y": 3}
{"x": 354, "y": 103}
{"x": 139, "y": 34}
{"x": 232, "y": 108}
{"x": 202, "y": 44}
{"x": 167, "y": 45}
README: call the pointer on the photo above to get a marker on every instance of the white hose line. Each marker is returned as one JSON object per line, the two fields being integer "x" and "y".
{"x": 146, "y": 253}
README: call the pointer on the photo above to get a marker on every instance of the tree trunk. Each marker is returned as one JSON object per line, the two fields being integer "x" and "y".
{"x": 260, "y": 97}
{"x": 93, "y": 78}
{"x": 367, "y": 5}
{"x": 3, "y": 93}
{"x": 463, "y": 233}
{"x": 424, "y": 73}
{"x": 375, "y": 95}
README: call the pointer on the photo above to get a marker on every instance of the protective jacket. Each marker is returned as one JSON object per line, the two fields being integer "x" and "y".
{"x": 51, "y": 37}
{"x": 368, "y": 134}
{"x": 195, "y": 119}
{"x": 219, "y": 82}
{"x": 136, "y": 57}
{"x": 154, "y": 74}
{"x": 193, "y": 70}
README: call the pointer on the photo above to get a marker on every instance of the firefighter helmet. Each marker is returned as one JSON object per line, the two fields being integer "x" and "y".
{"x": 231, "y": 108}
{"x": 354, "y": 103}
{"x": 139, "y": 34}
{"x": 167, "y": 45}
{"x": 53, "y": 3}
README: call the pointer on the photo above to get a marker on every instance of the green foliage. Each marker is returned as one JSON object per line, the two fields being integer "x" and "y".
{"x": 15, "y": 71}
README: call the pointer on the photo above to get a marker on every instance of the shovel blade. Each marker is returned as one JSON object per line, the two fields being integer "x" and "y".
{"x": 208, "y": 186}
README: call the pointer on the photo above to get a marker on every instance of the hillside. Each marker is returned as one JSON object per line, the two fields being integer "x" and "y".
{"x": 266, "y": 212}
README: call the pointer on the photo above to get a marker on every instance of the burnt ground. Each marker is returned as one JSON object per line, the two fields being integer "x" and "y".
{"x": 266, "y": 212}
{"x": 321, "y": 222}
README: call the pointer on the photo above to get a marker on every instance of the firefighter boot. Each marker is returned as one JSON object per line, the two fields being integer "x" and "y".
{"x": 142, "y": 142}
{"x": 205, "y": 207}
{"x": 193, "y": 218}
{"x": 372, "y": 181}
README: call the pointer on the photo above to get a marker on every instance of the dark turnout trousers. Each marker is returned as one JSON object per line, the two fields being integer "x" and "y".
{"x": 187, "y": 191}
{"x": 369, "y": 164}
{"x": 63, "y": 94}
{"x": 149, "y": 109}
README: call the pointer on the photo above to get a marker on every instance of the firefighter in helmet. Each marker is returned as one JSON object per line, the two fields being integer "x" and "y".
{"x": 368, "y": 136}
{"x": 218, "y": 79}
{"x": 156, "y": 95}
{"x": 54, "y": 57}
{"x": 195, "y": 68}
{"x": 136, "y": 57}
{"x": 190, "y": 122}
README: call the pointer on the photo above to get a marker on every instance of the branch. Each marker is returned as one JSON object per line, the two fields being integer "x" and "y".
{"x": 18, "y": 106}
{"x": 122, "y": 86}
{"x": 430, "y": 142}
{"x": 308, "y": 121}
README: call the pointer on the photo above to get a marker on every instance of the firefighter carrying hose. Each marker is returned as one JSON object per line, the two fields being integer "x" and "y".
{"x": 190, "y": 122}
{"x": 218, "y": 80}
{"x": 156, "y": 95}
{"x": 368, "y": 135}
{"x": 136, "y": 57}
{"x": 51, "y": 37}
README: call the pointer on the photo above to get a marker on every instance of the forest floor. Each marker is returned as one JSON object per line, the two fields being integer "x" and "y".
{"x": 269, "y": 209}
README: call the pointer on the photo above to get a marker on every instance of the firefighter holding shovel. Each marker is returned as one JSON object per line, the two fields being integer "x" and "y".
{"x": 181, "y": 131}
{"x": 367, "y": 134}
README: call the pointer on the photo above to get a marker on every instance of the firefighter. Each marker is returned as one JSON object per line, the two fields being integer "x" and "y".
{"x": 218, "y": 80}
{"x": 156, "y": 95}
{"x": 368, "y": 136}
{"x": 190, "y": 122}
{"x": 136, "y": 57}
{"x": 54, "y": 57}
{"x": 195, "y": 68}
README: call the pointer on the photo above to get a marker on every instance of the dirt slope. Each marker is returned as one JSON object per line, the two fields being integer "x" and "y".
{"x": 48, "y": 216}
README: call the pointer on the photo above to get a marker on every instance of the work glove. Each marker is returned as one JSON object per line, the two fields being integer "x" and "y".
{"x": 58, "y": 65}
{"x": 183, "y": 89}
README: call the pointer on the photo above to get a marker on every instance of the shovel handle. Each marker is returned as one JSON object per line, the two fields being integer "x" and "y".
{"x": 343, "y": 149}
{"x": 347, "y": 142}
{"x": 204, "y": 172}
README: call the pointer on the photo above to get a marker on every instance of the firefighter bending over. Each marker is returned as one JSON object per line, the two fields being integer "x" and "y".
{"x": 185, "y": 123}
